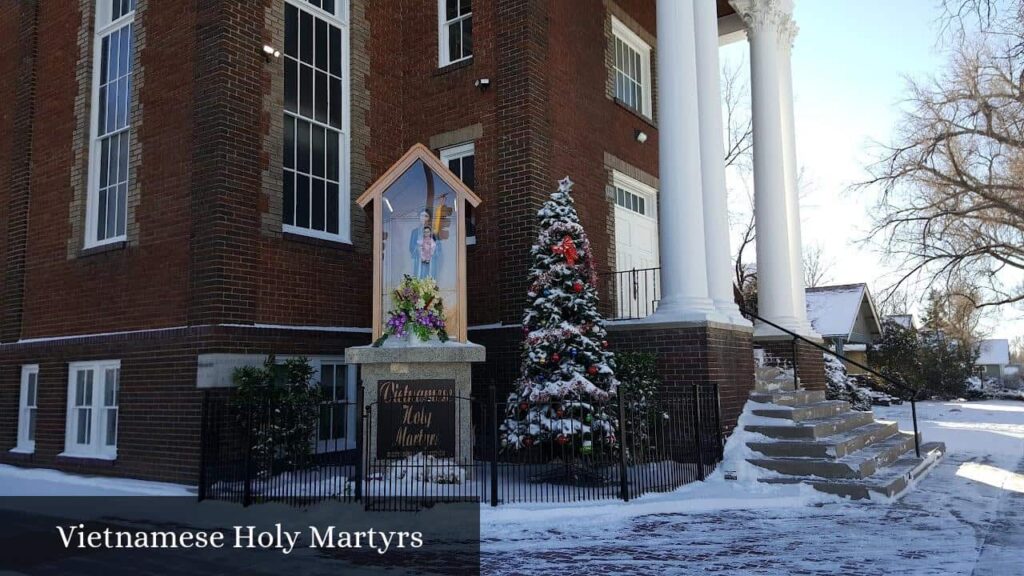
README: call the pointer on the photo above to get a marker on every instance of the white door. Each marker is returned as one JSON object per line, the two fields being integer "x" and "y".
{"x": 636, "y": 249}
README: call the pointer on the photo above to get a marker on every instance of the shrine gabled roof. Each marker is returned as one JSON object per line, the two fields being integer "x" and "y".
{"x": 421, "y": 153}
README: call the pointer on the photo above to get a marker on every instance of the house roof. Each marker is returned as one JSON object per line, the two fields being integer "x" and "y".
{"x": 994, "y": 352}
{"x": 905, "y": 320}
{"x": 844, "y": 311}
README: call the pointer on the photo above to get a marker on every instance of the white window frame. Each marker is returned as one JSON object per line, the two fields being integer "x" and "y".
{"x": 633, "y": 41}
{"x": 96, "y": 447}
{"x": 453, "y": 153}
{"x": 26, "y": 445}
{"x": 442, "y": 35}
{"x": 103, "y": 27}
{"x": 351, "y": 390}
{"x": 340, "y": 19}
{"x": 351, "y": 393}
{"x": 637, "y": 188}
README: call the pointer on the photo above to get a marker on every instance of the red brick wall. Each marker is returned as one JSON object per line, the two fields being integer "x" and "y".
{"x": 697, "y": 355}
{"x": 18, "y": 45}
{"x": 159, "y": 405}
{"x": 138, "y": 286}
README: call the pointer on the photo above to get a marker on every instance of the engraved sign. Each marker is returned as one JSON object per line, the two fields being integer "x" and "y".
{"x": 415, "y": 416}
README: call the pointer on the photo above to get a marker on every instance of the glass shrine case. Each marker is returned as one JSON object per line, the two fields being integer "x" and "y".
{"x": 418, "y": 231}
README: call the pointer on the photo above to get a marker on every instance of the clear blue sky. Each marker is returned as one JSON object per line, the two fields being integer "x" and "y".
{"x": 850, "y": 61}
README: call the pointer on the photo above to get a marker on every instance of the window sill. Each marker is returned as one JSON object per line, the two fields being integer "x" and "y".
{"x": 103, "y": 248}
{"x": 639, "y": 115}
{"x": 26, "y": 450}
{"x": 87, "y": 457}
{"x": 464, "y": 63}
{"x": 319, "y": 242}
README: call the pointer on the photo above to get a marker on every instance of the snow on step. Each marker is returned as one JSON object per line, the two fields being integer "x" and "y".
{"x": 805, "y": 411}
{"x": 859, "y": 465}
{"x": 797, "y": 436}
{"x": 813, "y": 429}
{"x": 889, "y": 482}
{"x": 836, "y": 446}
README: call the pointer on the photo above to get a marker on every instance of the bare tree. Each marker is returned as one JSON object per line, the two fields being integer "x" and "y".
{"x": 951, "y": 205}
{"x": 1017, "y": 350}
{"x": 892, "y": 302}
{"x": 739, "y": 126}
{"x": 817, "y": 267}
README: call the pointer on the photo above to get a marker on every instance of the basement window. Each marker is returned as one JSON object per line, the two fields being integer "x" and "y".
{"x": 92, "y": 410}
{"x": 27, "y": 407}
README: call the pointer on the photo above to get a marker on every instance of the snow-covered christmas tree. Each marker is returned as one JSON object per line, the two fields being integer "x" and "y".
{"x": 568, "y": 373}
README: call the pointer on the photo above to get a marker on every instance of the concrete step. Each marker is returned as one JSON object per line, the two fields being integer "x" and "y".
{"x": 834, "y": 446}
{"x": 889, "y": 482}
{"x": 859, "y": 465}
{"x": 804, "y": 412}
{"x": 771, "y": 379}
{"x": 813, "y": 429}
{"x": 789, "y": 398}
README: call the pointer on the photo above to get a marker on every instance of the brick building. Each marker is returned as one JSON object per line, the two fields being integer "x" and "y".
{"x": 177, "y": 185}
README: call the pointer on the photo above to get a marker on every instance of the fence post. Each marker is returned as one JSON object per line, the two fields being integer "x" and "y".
{"x": 204, "y": 443}
{"x": 796, "y": 378}
{"x": 623, "y": 469}
{"x": 698, "y": 432}
{"x": 247, "y": 489}
{"x": 494, "y": 444}
{"x": 360, "y": 443}
{"x": 719, "y": 442}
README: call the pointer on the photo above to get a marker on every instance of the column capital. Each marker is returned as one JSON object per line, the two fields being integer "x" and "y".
{"x": 767, "y": 15}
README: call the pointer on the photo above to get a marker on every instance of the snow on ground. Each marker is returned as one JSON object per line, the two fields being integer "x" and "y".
{"x": 15, "y": 481}
{"x": 965, "y": 517}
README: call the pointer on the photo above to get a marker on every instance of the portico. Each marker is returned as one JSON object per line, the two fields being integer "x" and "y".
{"x": 696, "y": 281}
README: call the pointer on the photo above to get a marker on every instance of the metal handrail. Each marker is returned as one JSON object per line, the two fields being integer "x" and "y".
{"x": 633, "y": 276}
{"x": 914, "y": 393}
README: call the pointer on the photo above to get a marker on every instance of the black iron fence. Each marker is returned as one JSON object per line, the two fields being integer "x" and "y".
{"x": 633, "y": 293}
{"x": 249, "y": 457}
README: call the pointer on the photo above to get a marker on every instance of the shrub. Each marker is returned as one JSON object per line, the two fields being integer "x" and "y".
{"x": 279, "y": 405}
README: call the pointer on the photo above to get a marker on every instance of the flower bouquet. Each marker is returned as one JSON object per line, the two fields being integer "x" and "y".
{"x": 418, "y": 311}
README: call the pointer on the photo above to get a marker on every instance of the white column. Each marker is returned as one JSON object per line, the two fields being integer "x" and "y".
{"x": 787, "y": 34}
{"x": 712, "y": 164}
{"x": 684, "y": 280}
{"x": 771, "y": 208}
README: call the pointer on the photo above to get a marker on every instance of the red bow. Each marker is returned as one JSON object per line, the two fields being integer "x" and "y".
{"x": 567, "y": 248}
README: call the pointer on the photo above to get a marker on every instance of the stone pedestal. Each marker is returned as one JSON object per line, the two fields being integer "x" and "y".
{"x": 417, "y": 399}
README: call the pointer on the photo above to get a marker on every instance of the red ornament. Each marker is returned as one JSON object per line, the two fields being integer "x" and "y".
{"x": 555, "y": 357}
{"x": 528, "y": 441}
{"x": 562, "y": 439}
{"x": 592, "y": 370}
{"x": 524, "y": 406}
{"x": 566, "y": 248}
{"x": 560, "y": 413}
{"x": 604, "y": 343}
{"x": 577, "y": 286}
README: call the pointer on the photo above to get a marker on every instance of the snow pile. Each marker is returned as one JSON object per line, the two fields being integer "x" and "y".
{"x": 841, "y": 387}
{"x": 423, "y": 468}
{"x": 15, "y": 481}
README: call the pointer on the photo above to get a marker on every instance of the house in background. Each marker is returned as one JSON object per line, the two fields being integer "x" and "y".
{"x": 847, "y": 320}
{"x": 905, "y": 320}
{"x": 993, "y": 359}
